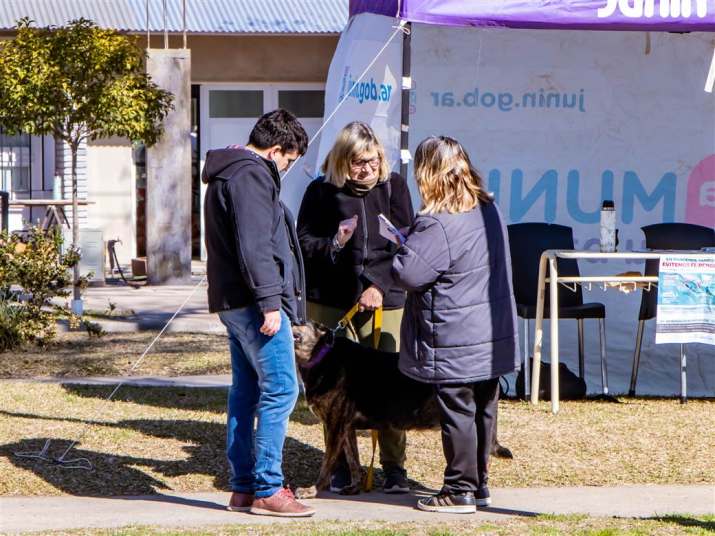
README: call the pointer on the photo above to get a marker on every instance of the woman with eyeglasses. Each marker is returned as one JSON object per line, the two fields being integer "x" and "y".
{"x": 348, "y": 261}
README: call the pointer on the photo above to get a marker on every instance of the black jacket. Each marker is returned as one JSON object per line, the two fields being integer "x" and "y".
{"x": 339, "y": 280}
{"x": 459, "y": 324}
{"x": 253, "y": 254}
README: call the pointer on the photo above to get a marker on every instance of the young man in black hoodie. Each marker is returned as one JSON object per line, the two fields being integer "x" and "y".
{"x": 255, "y": 277}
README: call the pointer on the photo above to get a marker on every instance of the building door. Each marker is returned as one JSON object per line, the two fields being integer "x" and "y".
{"x": 229, "y": 111}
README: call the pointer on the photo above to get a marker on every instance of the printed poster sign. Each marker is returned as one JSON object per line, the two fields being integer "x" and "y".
{"x": 686, "y": 299}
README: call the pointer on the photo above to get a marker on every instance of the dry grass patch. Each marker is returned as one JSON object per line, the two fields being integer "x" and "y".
{"x": 592, "y": 443}
{"x": 550, "y": 525}
{"x": 74, "y": 354}
{"x": 154, "y": 439}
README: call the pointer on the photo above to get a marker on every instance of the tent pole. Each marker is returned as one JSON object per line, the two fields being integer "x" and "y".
{"x": 406, "y": 90}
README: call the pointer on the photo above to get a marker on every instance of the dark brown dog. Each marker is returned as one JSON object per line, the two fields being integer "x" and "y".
{"x": 351, "y": 387}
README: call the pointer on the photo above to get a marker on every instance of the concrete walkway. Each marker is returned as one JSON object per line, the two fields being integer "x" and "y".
{"x": 151, "y": 307}
{"x": 25, "y": 514}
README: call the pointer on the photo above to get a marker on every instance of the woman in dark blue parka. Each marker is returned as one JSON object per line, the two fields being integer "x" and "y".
{"x": 459, "y": 329}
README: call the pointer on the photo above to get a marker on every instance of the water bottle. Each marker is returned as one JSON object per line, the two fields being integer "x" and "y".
{"x": 608, "y": 227}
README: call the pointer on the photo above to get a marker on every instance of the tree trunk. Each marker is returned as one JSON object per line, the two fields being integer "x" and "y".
{"x": 75, "y": 216}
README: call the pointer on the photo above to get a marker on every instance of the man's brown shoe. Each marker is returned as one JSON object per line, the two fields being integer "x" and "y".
{"x": 240, "y": 502}
{"x": 281, "y": 504}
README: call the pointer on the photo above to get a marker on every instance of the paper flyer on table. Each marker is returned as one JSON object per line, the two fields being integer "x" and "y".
{"x": 686, "y": 299}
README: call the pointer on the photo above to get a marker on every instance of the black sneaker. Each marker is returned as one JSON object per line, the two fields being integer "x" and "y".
{"x": 482, "y": 496}
{"x": 396, "y": 480}
{"x": 449, "y": 503}
{"x": 340, "y": 480}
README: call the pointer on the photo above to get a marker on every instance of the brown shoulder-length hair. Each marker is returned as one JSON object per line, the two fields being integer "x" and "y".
{"x": 446, "y": 178}
{"x": 353, "y": 141}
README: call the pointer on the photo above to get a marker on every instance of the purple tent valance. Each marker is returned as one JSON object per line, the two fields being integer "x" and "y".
{"x": 652, "y": 15}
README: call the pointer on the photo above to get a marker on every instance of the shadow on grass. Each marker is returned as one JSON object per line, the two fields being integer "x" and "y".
{"x": 123, "y": 476}
{"x": 212, "y": 400}
{"x": 209, "y": 399}
{"x": 60, "y": 365}
{"x": 131, "y": 343}
{"x": 113, "y": 354}
{"x": 203, "y": 454}
{"x": 706, "y": 523}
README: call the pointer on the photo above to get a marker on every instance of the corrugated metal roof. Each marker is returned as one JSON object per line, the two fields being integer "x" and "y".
{"x": 202, "y": 16}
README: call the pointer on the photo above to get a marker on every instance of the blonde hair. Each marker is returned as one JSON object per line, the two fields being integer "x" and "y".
{"x": 353, "y": 141}
{"x": 446, "y": 178}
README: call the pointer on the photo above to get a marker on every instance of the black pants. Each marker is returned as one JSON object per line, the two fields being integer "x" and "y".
{"x": 468, "y": 414}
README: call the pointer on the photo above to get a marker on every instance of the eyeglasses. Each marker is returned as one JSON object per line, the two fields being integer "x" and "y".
{"x": 374, "y": 163}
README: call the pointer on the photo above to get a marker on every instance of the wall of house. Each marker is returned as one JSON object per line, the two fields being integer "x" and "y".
{"x": 110, "y": 187}
{"x": 215, "y": 59}
{"x": 248, "y": 58}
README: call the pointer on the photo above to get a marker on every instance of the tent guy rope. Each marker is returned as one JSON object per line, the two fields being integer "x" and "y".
{"x": 400, "y": 28}
{"x": 710, "y": 82}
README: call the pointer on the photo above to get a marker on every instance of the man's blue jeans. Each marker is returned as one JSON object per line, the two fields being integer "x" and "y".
{"x": 264, "y": 388}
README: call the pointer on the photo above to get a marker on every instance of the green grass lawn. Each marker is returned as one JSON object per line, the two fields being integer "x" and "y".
{"x": 153, "y": 439}
{"x": 540, "y": 525}
{"x": 150, "y": 440}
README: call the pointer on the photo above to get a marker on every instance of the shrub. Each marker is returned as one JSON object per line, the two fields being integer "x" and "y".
{"x": 33, "y": 270}
{"x": 10, "y": 325}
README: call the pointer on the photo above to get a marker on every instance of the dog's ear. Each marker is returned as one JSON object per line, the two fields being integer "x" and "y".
{"x": 322, "y": 329}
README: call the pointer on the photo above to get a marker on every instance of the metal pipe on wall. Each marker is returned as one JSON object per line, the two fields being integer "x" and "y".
{"x": 166, "y": 33}
{"x": 184, "y": 20}
{"x": 148, "y": 34}
{"x": 42, "y": 159}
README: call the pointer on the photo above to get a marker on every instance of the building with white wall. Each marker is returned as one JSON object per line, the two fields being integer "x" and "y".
{"x": 247, "y": 57}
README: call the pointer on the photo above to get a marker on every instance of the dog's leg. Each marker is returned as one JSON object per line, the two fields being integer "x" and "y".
{"x": 332, "y": 449}
{"x": 352, "y": 455}
{"x": 334, "y": 444}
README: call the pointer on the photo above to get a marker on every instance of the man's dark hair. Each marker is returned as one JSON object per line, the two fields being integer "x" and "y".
{"x": 279, "y": 127}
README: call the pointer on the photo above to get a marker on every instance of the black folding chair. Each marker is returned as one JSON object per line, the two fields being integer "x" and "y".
{"x": 527, "y": 241}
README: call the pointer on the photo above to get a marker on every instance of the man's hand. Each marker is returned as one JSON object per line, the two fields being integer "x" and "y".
{"x": 370, "y": 299}
{"x": 271, "y": 323}
{"x": 346, "y": 228}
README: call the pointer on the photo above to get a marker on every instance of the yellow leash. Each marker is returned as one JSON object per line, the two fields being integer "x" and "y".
{"x": 345, "y": 323}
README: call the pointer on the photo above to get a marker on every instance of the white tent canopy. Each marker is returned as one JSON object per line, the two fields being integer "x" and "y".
{"x": 556, "y": 121}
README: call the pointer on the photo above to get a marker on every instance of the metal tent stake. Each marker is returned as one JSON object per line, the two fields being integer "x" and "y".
{"x": 43, "y": 455}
